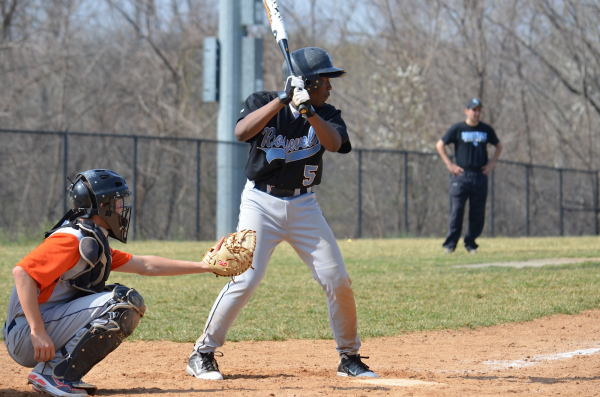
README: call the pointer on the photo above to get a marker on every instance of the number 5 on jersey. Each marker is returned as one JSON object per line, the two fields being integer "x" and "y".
{"x": 309, "y": 174}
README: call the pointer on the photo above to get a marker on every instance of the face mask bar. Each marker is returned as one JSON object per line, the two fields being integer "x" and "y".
{"x": 117, "y": 216}
{"x": 123, "y": 214}
{"x": 124, "y": 221}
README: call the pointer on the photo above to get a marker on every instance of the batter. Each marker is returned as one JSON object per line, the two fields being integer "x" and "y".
{"x": 284, "y": 163}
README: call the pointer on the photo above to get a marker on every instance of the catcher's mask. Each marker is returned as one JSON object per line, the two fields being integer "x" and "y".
{"x": 103, "y": 193}
{"x": 312, "y": 63}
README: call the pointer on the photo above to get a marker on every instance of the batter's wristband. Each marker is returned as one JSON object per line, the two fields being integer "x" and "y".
{"x": 284, "y": 98}
{"x": 309, "y": 113}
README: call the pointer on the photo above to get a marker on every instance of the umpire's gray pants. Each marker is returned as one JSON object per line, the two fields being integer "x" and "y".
{"x": 64, "y": 324}
{"x": 300, "y": 222}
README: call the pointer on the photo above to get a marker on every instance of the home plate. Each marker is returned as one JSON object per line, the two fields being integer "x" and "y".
{"x": 397, "y": 382}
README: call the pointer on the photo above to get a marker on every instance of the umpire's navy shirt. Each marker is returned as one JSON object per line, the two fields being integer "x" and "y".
{"x": 470, "y": 144}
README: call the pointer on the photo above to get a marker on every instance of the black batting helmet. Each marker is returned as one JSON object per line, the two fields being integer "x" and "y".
{"x": 312, "y": 63}
{"x": 102, "y": 192}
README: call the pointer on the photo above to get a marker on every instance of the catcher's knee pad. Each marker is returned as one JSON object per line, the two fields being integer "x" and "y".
{"x": 122, "y": 316}
{"x": 125, "y": 297}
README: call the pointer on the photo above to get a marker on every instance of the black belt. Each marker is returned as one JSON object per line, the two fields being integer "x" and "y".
{"x": 277, "y": 192}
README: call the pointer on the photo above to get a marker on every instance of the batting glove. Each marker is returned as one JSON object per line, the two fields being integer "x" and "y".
{"x": 292, "y": 83}
{"x": 301, "y": 96}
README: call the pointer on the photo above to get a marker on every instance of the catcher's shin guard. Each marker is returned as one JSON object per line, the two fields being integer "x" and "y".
{"x": 100, "y": 339}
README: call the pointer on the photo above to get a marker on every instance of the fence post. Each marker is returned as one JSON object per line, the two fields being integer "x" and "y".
{"x": 198, "y": 190}
{"x": 133, "y": 226}
{"x": 596, "y": 204}
{"x": 65, "y": 169}
{"x": 492, "y": 204}
{"x": 359, "y": 231}
{"x": 527, "y": 200}
{"x": 406, "y": 193}
{"x": 560, "y": 201}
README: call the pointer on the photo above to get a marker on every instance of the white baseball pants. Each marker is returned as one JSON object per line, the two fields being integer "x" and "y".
{"x": 300, "y": 222}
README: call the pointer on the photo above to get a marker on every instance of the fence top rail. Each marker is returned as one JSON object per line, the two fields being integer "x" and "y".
{"x": 202, "y": 140}
{"x": 401, "y": 151}
{"x": 396, "y": 151}
{"x": 547, "y": 167}
{"x": 130, "y": 136}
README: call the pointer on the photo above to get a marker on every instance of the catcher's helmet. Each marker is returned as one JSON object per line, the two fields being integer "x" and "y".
{"x": 102, "y": 192}
{"x": 310, "y": 63}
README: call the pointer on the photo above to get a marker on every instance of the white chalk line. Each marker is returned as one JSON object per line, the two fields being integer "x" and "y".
{"x": 496, "y": 364}
{"x": 527, "y": 362}
{"x": 398, "y": 382}
{"x": 532, "y": 263}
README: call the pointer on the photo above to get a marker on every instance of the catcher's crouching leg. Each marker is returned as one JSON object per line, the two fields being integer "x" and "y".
{"x": 103, "y": 335}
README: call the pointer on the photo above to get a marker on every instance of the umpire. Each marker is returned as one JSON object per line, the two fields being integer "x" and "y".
{"x": 469, "y": 174}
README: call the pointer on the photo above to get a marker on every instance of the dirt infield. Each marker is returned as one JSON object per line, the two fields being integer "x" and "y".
{"x": 558, "y": 355}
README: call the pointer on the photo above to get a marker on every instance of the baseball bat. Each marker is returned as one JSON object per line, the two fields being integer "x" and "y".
{"x": 278, "y": 28}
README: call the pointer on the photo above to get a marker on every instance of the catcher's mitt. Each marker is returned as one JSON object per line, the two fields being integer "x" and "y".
{"x": 235, "y": 255}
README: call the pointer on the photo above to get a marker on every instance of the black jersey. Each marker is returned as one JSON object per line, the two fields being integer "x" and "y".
{"x": 470, "y": 144}
{"x": 287, "y": 153}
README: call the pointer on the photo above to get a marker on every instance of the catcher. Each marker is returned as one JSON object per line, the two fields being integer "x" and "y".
{"x": 62, "y": 317}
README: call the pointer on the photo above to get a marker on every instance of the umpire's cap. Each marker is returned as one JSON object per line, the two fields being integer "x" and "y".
{"x": 474, "y": 103}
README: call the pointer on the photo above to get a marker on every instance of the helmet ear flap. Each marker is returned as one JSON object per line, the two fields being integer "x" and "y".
{"x": 80, "y": 195}
{"x": 313, "y": 82}
{"x": 91, "y": 194}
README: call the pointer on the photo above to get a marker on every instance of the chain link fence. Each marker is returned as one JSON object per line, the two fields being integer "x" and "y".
{"x": 367, "y": 193}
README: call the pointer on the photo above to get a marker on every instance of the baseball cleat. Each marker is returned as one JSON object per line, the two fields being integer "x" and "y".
{"x": 204, "y": 366}
{"x": 353, "y": 366}
{"x": 35, "y": 389}
{"x": 55, "y": 387}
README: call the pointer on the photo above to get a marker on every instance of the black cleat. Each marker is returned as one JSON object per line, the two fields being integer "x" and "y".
{"x": 204, "y": 366}
{"x": 353, "y": 366}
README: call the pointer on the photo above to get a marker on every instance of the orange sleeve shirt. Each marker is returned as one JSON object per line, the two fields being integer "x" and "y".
{"x": 119, "y": 258}
{"x": 57, "y": 254}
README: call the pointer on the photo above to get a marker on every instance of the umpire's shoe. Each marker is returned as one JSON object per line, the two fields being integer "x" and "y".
{"x": 353, "y": 366}
{"x": 204, "y": 366}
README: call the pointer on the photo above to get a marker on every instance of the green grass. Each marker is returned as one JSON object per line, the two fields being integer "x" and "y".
{"x": 400, "y": 285}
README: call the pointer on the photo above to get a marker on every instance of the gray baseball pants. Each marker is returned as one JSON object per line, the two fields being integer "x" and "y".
{"x": 64, "y": 323}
